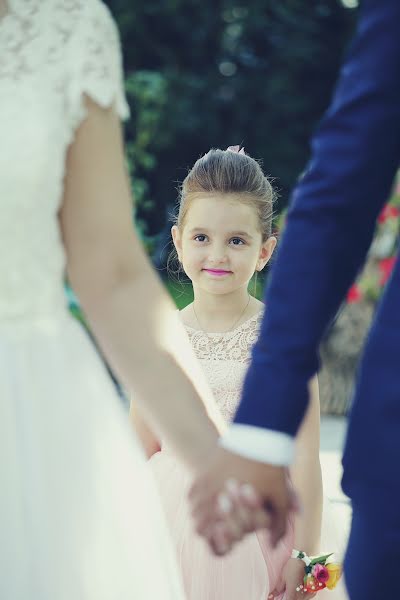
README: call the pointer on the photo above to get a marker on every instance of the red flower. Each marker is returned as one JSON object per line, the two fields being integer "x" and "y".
{"x": 320, "y": 573}
{"x": 354, "y": 294}
{"x": 386, "y": 267}
{"x": 388, "y": 212}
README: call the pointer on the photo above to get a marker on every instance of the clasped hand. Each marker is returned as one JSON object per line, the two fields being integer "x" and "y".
{"x": 234, "y": 496}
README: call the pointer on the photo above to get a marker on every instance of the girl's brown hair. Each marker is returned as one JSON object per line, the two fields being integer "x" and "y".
{"x": 225, "y": 172}
{"x": 229, "y": 172}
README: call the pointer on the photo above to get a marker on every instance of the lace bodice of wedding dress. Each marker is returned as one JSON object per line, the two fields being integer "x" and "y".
{"x": 224, "y": 358}
{"x": 51, "y": 53}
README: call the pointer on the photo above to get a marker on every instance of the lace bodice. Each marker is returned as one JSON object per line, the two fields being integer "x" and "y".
{"x": 224, "y": 358}
{"x": 52, "y": 52}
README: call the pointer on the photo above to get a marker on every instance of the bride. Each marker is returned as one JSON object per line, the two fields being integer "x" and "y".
{"x": 79, "y": 518}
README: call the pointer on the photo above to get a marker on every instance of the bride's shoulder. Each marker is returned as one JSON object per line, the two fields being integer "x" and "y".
{"x": 93, "y": 58}
{"x": 75, "y": 16}
{"x": 76, "y": 7}
{"x": 96, "y": 28}
{"x": 98, "y": 10}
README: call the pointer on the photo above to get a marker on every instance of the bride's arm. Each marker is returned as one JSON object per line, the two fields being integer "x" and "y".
{"x": 149, "y": 441}
{"x": 126, "y": 306}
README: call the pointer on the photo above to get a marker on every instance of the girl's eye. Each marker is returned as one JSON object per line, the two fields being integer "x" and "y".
{"x": 237, "y": 241}
{"x": 200, "y": 238}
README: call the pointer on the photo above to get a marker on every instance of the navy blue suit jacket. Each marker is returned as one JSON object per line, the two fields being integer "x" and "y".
{"x": 355, "y": 155}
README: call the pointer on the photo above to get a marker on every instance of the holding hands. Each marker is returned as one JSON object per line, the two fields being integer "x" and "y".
{"x": 236, "y": 495}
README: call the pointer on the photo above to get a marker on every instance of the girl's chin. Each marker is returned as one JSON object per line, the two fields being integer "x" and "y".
{"x": 211, "y": 287}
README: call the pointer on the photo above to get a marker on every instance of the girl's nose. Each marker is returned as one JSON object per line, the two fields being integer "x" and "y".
{"x": 217, "y": 254}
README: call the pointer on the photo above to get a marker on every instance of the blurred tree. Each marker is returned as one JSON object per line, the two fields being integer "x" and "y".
{"x": 221, "y": 72}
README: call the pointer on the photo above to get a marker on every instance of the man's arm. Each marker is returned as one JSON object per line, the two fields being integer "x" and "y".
{"x": 330, "y": 225}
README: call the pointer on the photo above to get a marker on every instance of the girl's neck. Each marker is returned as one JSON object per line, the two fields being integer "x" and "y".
{"x": 219, "y": 312}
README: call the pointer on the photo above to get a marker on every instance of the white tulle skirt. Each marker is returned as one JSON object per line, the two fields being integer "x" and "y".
{"x": 79, "y": 516}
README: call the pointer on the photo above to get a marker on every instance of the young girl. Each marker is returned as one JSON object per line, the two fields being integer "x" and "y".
{"x": 222, "y": 237}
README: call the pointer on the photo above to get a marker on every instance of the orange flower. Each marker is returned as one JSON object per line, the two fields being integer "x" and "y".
{"x": 335, "y": 573}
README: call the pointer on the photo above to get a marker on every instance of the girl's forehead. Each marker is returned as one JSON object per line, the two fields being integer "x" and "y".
{"x": 223, "y": 211}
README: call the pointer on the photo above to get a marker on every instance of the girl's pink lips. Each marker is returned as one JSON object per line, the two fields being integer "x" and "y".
{"x": 217, "y": 271}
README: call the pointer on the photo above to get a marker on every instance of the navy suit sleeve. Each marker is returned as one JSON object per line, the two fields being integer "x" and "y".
{"x": 355, "y": 154}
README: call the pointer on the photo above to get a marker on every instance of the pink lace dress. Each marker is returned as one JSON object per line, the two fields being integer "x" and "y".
{"x": 253, "y": 568}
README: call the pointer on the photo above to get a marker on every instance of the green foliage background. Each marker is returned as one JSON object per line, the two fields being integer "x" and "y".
{"x": 221, "y": 72}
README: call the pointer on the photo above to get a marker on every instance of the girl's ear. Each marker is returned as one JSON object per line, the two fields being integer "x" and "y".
{"x": 176, "y": 238}
{"x": 266, "y": 252}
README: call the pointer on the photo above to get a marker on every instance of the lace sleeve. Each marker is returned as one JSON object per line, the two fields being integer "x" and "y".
{"x": 95, "y": 63}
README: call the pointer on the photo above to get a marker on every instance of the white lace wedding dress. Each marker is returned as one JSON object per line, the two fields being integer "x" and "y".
{"x": 79, "y": 517}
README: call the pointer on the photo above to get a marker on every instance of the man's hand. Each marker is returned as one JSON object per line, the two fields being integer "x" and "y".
{"x": 246, "y": 511}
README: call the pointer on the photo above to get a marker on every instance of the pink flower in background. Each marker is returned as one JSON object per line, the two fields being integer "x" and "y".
{"x": 320, "y": 573}
{"x": 386, "y": 267}
{"x": 388, "y": 212}
{"x": 354, "y": 294}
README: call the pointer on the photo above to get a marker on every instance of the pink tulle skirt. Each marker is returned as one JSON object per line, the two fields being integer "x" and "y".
{"x": 250, "y": 572}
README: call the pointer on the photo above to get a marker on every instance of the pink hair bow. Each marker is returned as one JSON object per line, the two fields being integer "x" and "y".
{"x": 237, "y": 149}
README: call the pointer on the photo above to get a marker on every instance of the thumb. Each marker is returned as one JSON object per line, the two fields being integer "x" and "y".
{"x": 280, "y": 586}
{"x": 276, "y": 595}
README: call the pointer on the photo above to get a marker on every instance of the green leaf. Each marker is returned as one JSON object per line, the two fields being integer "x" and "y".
{"x": 321, "y": 559}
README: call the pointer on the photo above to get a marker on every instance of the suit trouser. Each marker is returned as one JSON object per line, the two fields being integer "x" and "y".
{"x": 372, "y": 563}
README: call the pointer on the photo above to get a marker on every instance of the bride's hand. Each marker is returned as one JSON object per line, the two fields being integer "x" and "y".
{"x": 238, "y": 511}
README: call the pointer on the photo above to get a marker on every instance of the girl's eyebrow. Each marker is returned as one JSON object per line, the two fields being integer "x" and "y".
{"x": 197, "y": 229}
{"x": 230, "y": 233}
{"x": 242, "y": 234}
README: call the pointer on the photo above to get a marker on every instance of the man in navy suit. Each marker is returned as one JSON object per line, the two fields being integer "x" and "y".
{"x": 355, "y": 155}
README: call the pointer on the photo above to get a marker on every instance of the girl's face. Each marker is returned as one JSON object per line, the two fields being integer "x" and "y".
{"x": 221, "y": 245}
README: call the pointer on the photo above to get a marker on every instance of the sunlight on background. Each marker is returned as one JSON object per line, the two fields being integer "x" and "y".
{"x": 350, "y": 3}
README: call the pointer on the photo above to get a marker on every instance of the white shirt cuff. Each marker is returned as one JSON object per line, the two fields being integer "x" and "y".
{"x": 256, "y": 443}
